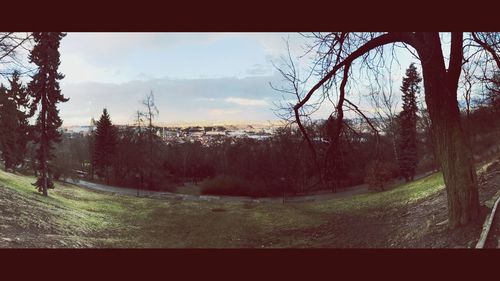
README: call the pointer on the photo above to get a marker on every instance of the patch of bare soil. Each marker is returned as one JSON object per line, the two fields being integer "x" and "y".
{"x": 421, "y": 224}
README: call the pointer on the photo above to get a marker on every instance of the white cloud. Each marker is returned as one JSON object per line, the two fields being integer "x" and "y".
{"x": 121, "y": 57}
{"x": 105, "y": 48}
{"x": 108, "y": 70}
{"x": 246, "y": 102}
{"x": 274, "y": 44}
{"x": 176, "y": 99}
{"x": 222, "y": 113}
{"x": 77, "y": 69}
{"x": 259, "y": 70}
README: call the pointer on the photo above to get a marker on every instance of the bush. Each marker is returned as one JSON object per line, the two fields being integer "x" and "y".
{"x": 378, "y": 174}
{"x": 233, "y": 186}
{"x": 62, "y": 172}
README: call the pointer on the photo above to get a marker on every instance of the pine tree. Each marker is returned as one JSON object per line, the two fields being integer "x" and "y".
{"x": 105, "y": 141}
{"x": 46, "y": 94}
{"x": 408, "y": 124}
{"x": 8, "y": 138}
{"x": 20, "y": 95}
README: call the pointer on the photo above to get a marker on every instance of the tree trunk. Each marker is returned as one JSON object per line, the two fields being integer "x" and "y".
{"x": 44, "y": 143}
{"x": 44, "y": 189}
{"x": 395, "y": 147}
{"x": 44, "y": 168}
{"x": 452, "y": 147}
{"x": 150, "y": 183}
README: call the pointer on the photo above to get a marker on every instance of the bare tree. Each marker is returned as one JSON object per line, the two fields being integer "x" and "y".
{"x": 468, "y": 81}
{"x": 338, "y": 53}
{"x": 138, "y": 122}
{"x": 150, "y": 113}
{"x": 480, "y": 66}
{"x": 10, "y": 45}
{"x": 385, "y": 103}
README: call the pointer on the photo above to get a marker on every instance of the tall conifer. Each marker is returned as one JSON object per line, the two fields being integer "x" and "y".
{"x": 46, "y": 94}
{"x": 408, "y": 124}
{"x": 105, "y": 141}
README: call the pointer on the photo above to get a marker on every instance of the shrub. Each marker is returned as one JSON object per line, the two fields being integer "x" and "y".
{"x": 233, "y": 186}
{"x": 378, "y": 174}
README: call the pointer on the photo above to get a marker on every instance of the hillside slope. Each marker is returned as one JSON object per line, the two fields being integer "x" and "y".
{"x": 405, "y": 216}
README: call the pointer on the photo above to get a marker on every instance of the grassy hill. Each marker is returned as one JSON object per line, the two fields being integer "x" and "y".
{"x": 405, "y": 216}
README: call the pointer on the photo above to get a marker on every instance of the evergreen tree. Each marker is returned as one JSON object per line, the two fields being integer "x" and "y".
{"x": 20, "y": 95}
{"x": 408, "y": 124}
{"x": 105, "y": 142}
{"x": 13, "y": 122}
{"x": 45, "y": 91}
{"x": 8, "y": 138}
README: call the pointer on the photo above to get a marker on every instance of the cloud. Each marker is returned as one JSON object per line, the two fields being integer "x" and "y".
{"x": 246, "y": 102}
{"x": 116, "y": 70}
{"x": 105, "y": 46}
{"x": 76, "y": 69}
{"x": 177, "y": 99}
{"x": 274, "y": 44}
{"x": 259, "y": 69}
{"x": 120, "y": 57}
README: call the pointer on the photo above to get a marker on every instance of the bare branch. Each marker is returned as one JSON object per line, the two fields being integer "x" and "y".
{"x": 356, "y": 108}
{"x": 370, "y": 45}
{"x": 487, "y": 47}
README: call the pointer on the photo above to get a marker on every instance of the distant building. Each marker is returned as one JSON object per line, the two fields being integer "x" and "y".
{"x": 206, "y": 135}
{"x": 215, "y": 133}
{"x": 76, "y": 130}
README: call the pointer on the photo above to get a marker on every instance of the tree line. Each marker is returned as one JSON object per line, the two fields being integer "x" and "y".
{"x": 135, "y": 156}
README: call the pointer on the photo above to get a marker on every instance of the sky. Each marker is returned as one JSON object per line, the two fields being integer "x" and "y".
{"x": 193, "y": 76}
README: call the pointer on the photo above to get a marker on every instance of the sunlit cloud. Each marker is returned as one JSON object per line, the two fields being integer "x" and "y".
{"x": 246, "y": 102}
{"x": 222, "y": 112}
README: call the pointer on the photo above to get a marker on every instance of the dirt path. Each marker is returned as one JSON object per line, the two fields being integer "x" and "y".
{"x": 170, "y": 195}
{"x": 151, "y": 194}
{"x": 347, "y": 192}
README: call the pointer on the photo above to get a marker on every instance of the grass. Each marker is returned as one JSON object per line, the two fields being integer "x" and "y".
{"x": 80, "y": 217}
{"x": 398, "y": 196}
